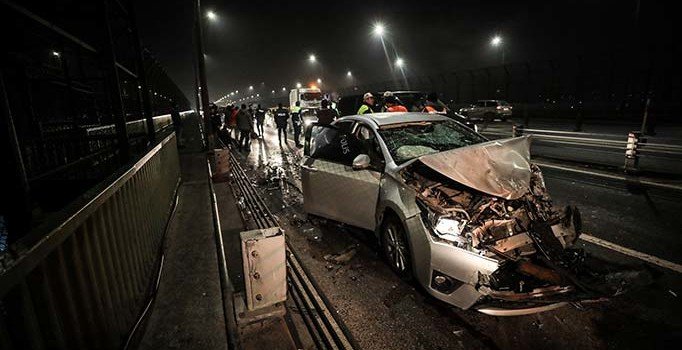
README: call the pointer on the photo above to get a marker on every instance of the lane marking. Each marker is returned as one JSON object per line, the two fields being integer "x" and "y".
{"x": 633, "y": 253}
{"x": 615, "y": 177}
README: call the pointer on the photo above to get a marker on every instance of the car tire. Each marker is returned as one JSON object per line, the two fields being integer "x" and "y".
{"x": 395, "y": 247}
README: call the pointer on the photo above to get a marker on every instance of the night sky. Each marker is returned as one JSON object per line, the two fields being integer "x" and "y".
{"x": 267, "y": 43}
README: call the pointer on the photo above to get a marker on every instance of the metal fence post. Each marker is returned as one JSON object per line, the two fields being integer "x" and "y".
{"x": 115, "y": 96}
{"x": 14, "y": 203}
{"x": 142, "y": 75}
{"x": 632, "y": 153}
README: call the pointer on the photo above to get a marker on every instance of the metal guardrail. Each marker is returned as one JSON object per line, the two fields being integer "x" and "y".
{"x": 634, "y": 146}
{"x": 83, "y": 284}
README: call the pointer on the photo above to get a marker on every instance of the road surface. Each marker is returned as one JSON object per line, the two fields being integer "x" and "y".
{"x": 384, "y": 312}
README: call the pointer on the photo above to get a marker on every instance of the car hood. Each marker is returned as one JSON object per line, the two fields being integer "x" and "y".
{"x": 500, "y": 168}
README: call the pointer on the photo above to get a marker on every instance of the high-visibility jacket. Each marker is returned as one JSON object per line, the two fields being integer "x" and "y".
{"x": 365, "y": 108}
{"x": 396, "y": 108}
{"x": 295, "y": 115}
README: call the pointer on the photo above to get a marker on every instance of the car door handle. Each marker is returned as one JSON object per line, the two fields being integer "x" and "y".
{"x": 312, "y": 169}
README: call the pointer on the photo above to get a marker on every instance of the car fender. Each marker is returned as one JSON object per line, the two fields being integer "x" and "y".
{"x": 395, "y": 195}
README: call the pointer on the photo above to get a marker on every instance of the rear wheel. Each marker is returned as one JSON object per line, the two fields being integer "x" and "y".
{"x": 396, "y": 249}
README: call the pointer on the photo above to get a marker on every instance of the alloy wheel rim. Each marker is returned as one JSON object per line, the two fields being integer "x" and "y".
{"x": 395, "y": 248}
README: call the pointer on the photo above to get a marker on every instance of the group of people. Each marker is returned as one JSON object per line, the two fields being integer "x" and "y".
{"x": 431, "y": 104}
{"x": 240, "y": 120}
{"x": 325, "y": 116}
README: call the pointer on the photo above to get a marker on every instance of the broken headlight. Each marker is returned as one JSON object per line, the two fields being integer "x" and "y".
{"x": 446, "y": 227}
{"x": 450, "y": 229}
{"x": 449, "y": 226}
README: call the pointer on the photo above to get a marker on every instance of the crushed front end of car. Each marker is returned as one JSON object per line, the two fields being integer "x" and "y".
{"x": 495, "y": 241}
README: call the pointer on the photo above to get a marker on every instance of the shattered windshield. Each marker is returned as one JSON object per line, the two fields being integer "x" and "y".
{"x": 414, "y": 140}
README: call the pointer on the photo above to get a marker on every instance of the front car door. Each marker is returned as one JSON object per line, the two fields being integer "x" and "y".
{"x": 331, "y": 187}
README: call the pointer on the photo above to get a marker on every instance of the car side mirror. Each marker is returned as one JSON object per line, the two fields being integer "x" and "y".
{"x": 361, "y": 162}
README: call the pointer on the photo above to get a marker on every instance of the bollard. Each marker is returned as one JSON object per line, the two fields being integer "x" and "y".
{"x": 263, "y": 256}
{"x": 517, "y": 130}
{"x": 222, "y": 165}
{"x": 631, "y": 152}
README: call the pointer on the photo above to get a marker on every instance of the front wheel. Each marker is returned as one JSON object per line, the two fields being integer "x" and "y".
{"x": 396, "y": 249}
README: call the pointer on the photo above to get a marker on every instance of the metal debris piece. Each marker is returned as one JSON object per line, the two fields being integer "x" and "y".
{"x": 344, "y": 256}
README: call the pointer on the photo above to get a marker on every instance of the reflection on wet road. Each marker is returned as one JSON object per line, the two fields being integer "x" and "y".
{"x": 384, "y": 312}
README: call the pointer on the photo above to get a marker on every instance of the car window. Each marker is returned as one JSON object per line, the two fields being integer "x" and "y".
{"x": 480, "y": 104}
{"x": 345, "y": 125}
{"x": 332, "y": 144}
{"x": 370, "y": 146}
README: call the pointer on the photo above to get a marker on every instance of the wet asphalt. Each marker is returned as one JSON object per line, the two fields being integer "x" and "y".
{"x": 384, "y": 312}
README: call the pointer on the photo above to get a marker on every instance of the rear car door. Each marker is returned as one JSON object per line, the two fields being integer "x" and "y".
{"x": 331, "y": 187}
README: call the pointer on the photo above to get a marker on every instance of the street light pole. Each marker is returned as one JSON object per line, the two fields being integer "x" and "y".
{"x": 203, "y": 86}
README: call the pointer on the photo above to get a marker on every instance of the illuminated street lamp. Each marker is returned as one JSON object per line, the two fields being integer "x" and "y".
{"x": 211, "y": 15}
{"x": 319, "y": 81}
{"x": 284, "y": 89}
{"x": 312, "y": 58}
{"x": 298, "y": 85}
{"x": 250, "y": 87}
{"x": 496, "y": 41}
{"x": 273, "y": 91}
{"x": 399, "y": 62}
{"x": 349, "y": 74}
{"x": 56, "y": 54}
{"x": 379, "y": 29}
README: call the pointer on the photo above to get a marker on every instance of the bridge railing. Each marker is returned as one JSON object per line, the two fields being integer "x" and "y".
{"x": 83, "y": 283}
{"x": 662, "y": 154}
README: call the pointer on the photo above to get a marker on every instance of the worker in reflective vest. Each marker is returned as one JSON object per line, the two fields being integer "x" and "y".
{"x": 296, "y": 122}
{"x": 367, "y": 103}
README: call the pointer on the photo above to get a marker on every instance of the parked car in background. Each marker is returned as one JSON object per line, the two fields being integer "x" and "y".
{"x": 488, "y": 110}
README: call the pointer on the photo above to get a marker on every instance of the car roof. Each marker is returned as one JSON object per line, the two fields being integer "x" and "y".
{"x": 388, "y": 118}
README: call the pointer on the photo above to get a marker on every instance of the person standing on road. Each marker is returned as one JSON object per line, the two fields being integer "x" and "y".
{"x": 281, "y": 119}
{"x": 232, "y": 123}
{"x": 296, "y": 122}
{"x": 433, "y": 105}
{"x": 325, "y": 115}
{"x": 260, "y": 119}
{"x": 393, "y": 105}
{"x": 245, "y": 126}
{"x": 367, "y": 103}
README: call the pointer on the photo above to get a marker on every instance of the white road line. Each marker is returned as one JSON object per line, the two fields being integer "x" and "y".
{"x": 633, "y": 253}
{"x": 610, "y": 176}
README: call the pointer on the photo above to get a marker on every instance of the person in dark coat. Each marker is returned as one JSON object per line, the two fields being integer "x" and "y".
{"x": 260, "y": 119}
{"x": 245, "y": 126}
{"x": 325, "y": 115}
{"x": 281, "y": 120}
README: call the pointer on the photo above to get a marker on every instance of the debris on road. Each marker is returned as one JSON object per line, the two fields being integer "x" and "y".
{"x": 344, "y": 256}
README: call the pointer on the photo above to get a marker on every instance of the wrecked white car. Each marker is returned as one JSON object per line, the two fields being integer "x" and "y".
{"x": 468, "y": 218}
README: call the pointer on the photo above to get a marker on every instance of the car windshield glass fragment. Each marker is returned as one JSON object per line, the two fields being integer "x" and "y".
{"x": 311, "y": 96}
{"x": 415, "y": 140}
